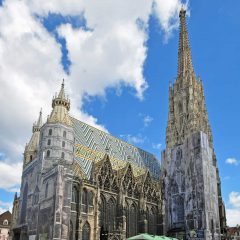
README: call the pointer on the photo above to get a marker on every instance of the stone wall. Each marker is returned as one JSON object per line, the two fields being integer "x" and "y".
{"x": 191, "y": 195}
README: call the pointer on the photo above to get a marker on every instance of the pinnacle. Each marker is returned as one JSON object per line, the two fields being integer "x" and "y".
{"x": 39, "y": 122}
{"x": 62, "y": 93}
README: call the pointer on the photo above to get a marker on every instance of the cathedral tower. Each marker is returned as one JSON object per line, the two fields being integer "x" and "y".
{"x": 57, "y": 139}
{"x": 189, "y": 170}
{"x": 56, "y": 156}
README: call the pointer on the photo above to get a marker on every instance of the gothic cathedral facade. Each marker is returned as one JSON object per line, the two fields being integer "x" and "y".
{"x": 80, "y": 183}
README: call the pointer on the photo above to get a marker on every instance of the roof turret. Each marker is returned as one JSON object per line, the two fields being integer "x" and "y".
{"x": 61, "y": 107}
{"x": 37, "y": 125}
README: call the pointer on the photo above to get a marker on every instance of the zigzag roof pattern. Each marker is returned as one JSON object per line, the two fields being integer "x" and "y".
{"x": 91, "y": 144}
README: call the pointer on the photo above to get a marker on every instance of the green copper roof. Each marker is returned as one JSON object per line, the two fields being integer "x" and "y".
{"x": 146, "y": 236}
{"x": 91, "y": 144}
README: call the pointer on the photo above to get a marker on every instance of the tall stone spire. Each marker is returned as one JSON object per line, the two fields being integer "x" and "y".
{"x": 189, "y": 167}
{"x": 61, "y": 107}
{"x": 187, "y": 109}
{"x": 184, "y": 51}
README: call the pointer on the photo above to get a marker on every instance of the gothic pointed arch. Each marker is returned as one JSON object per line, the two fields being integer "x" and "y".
{"x": 106, "y": 166}
{"x": 128, "y": 180}
{"x": 152, "y": 221}
{"x": 133, "y": 220}
{"x": 147, "y": 185}
{"x": 102, "y": 213}
{"x": 111, "y": 214}
{"x": 86, "y": 231}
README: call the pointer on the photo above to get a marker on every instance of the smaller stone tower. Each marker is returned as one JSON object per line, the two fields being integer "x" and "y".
{"x": 31, "y": 149}
{"x": 56, "y": 157}
{"x": 57, "y": 136}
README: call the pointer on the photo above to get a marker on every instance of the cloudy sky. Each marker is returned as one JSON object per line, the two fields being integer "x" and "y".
{"x": 118, "y": 58}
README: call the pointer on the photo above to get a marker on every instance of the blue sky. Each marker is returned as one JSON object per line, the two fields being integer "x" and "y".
{"x": 215, "y": 43}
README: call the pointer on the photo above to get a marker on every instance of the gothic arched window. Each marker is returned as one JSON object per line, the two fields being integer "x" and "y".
{"x": 132, "y": 220}
{"x": 63, "y": 143}
{"x": 49, "y": 142}
{"x": 62, "y": 155}
{"x": 74, "y": 195}
{"x": 111, "y": 215}
{"x": 31, "y": 158}
{"x": 90, "y": 198}
{"x": 86, "y": 231}
{"x": 84, "y": 200}
{"x": 152, "y": 221}
{"x": 64, "y": 134}
{"x": 102, "y": 215}
{"x": 24, "y": 204}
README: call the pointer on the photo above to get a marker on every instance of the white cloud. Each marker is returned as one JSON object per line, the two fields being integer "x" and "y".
{"x": 10, "y": 176}
{"x": 137, "y": 139}
{"x": 147, "y": 120}
{"x": 232, "y": 161}
{"x": 111, "y": 54}
{"x": 167, "y": 13}
{"x": 157, "y": 146}
{"x": 233, "y": 217}
{"x": 234, "y": 199}
{"x": 233, "y": 212}
{"x": 5, "y": 206}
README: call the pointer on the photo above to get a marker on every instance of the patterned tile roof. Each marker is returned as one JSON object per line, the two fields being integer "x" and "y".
{"x": 92, "y": 144}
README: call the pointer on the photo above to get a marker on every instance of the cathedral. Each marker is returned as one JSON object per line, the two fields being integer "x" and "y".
{"x": 80, "y": 183}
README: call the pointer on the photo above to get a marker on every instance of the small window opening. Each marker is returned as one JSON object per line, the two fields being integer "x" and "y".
{"x": 50, "y": 132}
{"x": 48, "y": 153}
